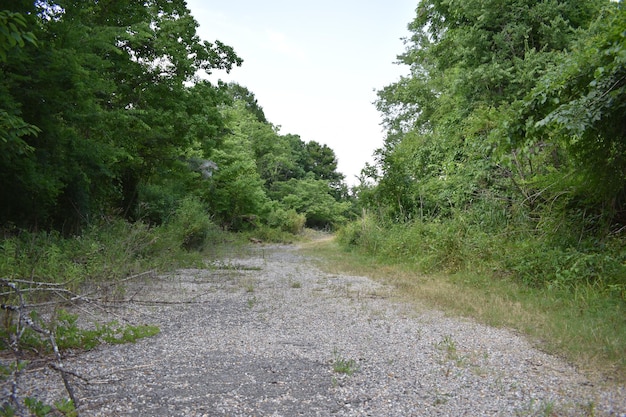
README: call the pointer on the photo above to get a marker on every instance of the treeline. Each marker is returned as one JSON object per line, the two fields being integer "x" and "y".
{"x": 104, "y": 113}
{"x": 506, "y": 145}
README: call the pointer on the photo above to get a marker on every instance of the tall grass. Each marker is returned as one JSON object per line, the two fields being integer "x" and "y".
{"x": 570, "y": 300}
{"x": 110, "y": 249}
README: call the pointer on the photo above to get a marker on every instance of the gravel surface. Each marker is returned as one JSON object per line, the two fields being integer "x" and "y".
{"x": 268, "y": 334}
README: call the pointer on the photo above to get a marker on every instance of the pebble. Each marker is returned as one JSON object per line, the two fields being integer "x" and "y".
{"x": 246, "y": 341}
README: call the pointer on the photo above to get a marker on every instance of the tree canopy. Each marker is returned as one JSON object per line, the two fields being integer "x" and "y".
{"x": 511, "y": 123}
{"x": 104, "y": 111}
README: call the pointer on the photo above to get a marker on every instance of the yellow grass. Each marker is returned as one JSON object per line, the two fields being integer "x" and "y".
{"x": 556, "y": 323}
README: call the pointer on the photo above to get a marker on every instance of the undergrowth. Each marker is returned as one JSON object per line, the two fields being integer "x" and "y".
{"x": 43, "y": 272}
{"x": 68, "y": 335}
{"x": 571, "y": 300}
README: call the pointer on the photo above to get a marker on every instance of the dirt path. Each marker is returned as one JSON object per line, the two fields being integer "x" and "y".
{"x": 268, "y": 334}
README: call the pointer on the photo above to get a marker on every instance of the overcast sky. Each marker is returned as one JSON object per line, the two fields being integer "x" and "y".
{"x": 314, "y": 65}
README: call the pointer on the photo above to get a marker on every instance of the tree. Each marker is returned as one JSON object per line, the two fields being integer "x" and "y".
{"x": 235, "y": 192}
{"x": 472, "y": 64}
{"x": 581, "y": 101}
{"x": 239, "y": 92}
{"x": 313, "y": 198}
{"x": 109, "y": 90}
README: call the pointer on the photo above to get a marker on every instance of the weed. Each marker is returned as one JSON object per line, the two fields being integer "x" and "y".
{"x": 441, "y": 399}
{"x": 252, "y": 302}
{"x": 547, "y": 409}
{"x": 69, "y": 336}
{"x": 534, "y": 408}
{"x": 296, "y": 284}
{"x": 584, "y": 324}
{"x": 449, "y": 347}
{"x": 228, "y": 266}
{"x": 344, "y": 366}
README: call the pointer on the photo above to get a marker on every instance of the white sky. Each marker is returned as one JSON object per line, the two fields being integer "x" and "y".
{"x": 314, "y": 65}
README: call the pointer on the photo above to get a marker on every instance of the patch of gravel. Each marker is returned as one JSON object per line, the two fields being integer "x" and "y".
{"x": 264, "y": 335}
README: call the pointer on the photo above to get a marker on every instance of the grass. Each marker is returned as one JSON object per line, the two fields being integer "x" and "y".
{"x": 582, "y": 326}
{"x": 342, "y": 365}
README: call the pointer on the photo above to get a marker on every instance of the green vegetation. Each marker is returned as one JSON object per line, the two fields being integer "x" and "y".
{"x": 118, "y": 158}
{"x": 583, "y": 325}
{"x": 502, "y": 176}
{"x": 499, "y": 192}
{"x": 342, "y": 365}
{"x": 69, "y": 335}
{"x": 102, "y": 114}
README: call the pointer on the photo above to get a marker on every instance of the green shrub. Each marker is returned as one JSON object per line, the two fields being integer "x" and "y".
{"x": 364, "y": 233}
{"x": 157, "y": 203}
{"x": 271, "y": 234}
{"x": 538, "y": 264}
{"x": 288, "y": 221}
{"x": 460, "y": 243}
{"x": 69, "y": 335}
{"x": 191, "y": 225}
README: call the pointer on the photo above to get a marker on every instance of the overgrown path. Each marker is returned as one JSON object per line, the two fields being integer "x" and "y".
{"x": 268, "y": 334}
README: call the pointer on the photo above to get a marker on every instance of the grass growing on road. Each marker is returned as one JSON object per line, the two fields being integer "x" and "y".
{"x": 581, "y": 326}
{"x": 343, "y": 365}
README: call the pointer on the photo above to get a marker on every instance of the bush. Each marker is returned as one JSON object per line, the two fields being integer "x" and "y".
{"x": 157, "y": 203}
{"x": 192, "y": 226}
{"x": 460, "y": 244}
{"x": 364, "y": 233}
{"x": 288, "y": 221}
{"x": 539, "y": 264}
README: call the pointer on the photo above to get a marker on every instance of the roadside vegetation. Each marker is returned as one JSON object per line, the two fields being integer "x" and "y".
{"x": 119, "y": 161}
{"x": 584, "y": 325}
{"x": 500, "y": 190}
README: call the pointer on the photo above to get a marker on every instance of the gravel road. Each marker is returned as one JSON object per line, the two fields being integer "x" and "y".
{"x": 269, "y": 334}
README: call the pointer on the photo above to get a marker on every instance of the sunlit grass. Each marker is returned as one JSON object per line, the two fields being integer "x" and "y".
{"x": 583, "y": 326}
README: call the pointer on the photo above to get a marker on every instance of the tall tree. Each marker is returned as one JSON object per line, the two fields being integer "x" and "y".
{"x": 471, "y": 62}
{"x": 108, "y": 90}
{"x": 581, "y": 102}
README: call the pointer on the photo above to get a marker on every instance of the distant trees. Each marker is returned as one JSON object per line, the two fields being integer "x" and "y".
{"x": 268, "y": 170}
{"x": 102, "y": 112}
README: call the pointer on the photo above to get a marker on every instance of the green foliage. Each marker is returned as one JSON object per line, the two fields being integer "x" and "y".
{"x": 158, "y": 202}
{"x": 66, "y": 408}
{"x": 342, "y": 365}
{"x": 191, "y": 225}
{"x": 460, "y": 245}
{"x": 37, "y": 407}
{"x": 104, "y": 113}
{"x": 580, "y": 102}
{"x": 312, "y": 198}
{"x": 110, "y": 250}
{"x": 264, "y": 178}
{"x": 504, "y": 149}
{"x": 286, "y": 220}
{"x": 236, "y": 193}
{"x": 68, "y": 334}
{"x": 113, "y": 95}
{"x": 13, "y": 33}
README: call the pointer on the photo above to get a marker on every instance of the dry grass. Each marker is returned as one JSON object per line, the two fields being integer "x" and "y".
{"x": 556, "y": 323}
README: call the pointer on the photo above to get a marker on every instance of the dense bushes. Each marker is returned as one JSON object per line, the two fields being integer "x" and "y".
{"x": 504, "y": 152}
{"x": 455, "y": 245}
{"x": 110, "y": 250}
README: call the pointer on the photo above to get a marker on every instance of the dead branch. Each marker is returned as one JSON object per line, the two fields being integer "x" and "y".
{"x": 15, "y": 301}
